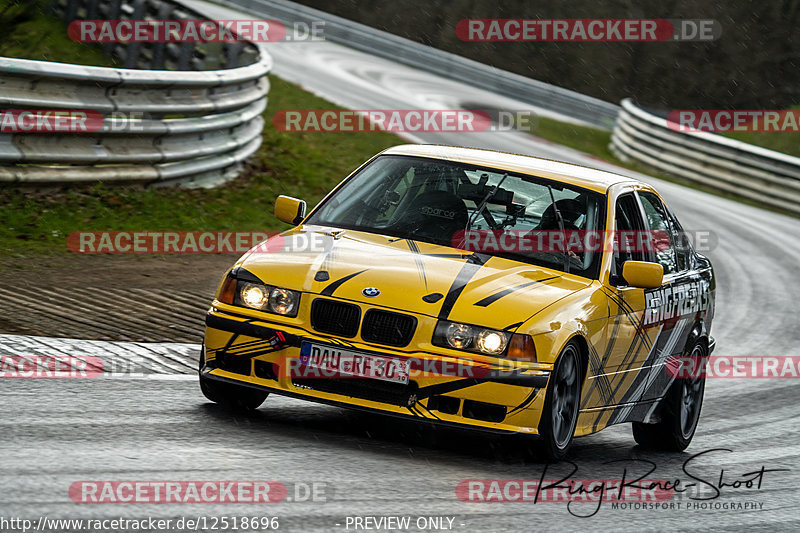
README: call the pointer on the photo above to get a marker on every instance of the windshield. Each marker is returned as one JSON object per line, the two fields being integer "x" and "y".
{"x": 458, "y": 205}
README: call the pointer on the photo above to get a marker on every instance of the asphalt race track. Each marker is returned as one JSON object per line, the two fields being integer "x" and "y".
{"x": 150, "y": 421}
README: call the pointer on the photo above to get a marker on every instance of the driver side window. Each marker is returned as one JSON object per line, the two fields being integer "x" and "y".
{"x": 628, "y": 226}
{"x": 660, "y": 231}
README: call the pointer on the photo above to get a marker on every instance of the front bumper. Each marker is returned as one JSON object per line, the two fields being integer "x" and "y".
{"x": 479, "y": 395}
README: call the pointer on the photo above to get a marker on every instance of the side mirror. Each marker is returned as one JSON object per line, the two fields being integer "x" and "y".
{"x": 643, "y": 274}
{"x": 290, "y": 210}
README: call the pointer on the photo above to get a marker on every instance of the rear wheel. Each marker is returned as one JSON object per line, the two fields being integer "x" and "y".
{"x": 229, "y": 395}
{"x": 560, "y": 414}
{"x": 680, "y": 411}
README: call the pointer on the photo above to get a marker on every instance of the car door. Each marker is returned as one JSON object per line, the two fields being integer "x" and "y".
{"x": 673, "y": 306}
{"x": 617, "y": 363}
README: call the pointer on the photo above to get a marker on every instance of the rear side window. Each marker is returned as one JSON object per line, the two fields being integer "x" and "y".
{"x": 684, "y": 252}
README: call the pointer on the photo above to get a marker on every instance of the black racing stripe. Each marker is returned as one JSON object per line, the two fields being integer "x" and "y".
{"x": 513, "y": 326}
{"x": 505, "y": 292}
{"x": 418, "y": 260}
{"x": 623, "y": 306}
{"x": 449, "y": 256}
{"x": 253, "y": 352}
{"x": 634, "y": 350}
{"x": 450, "y": 386}
{"x": 632, "y": 316}
{"x": 428, "y": 410}
{"x": 246, "y": 328}
{"x": 602, "y": 381}
{"x": 525, "y": 403}
{"x": 473, "y": 263}
{"x": 241, "y": 345}
{"x": 626, "y": 308}
{"x": 331, "y": 287}
{"x": 647, "y": 366}
{"x": 414, "y": 411}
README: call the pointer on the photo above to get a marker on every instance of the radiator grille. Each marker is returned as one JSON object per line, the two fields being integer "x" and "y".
{"x": 335, "y": 318}
{"x": 384, "y": 327}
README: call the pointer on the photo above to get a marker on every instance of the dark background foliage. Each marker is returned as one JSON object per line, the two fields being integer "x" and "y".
{"x": 755, "y": 64}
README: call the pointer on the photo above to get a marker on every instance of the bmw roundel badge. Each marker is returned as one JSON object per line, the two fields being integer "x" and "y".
{"x": 370, "y": 292}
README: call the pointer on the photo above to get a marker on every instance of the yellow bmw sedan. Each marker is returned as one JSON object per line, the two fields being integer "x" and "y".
{"x": 473, "y": 288}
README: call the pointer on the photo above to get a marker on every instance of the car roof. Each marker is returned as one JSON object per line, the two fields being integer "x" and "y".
{"x": 571, "y": 174}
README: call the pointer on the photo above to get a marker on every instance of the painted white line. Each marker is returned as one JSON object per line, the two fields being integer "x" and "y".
{"x": 127, "y": 360}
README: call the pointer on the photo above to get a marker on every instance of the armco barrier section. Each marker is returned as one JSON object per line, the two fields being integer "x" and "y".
{"x": 724, "y": 164}
{"x": 200, "y": 107}
{"x": 383, "y": 44}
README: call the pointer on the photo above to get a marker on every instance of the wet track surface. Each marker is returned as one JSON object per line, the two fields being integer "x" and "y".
{"x": 156, "y": 425}
{"x": 63, "y": 431}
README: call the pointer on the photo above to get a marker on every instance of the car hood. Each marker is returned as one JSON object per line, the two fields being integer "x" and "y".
{"x": 413, "y": 276}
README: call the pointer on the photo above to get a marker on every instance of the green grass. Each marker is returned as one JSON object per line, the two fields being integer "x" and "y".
{"x": 305, "y": 165}
{"x": 31, "y": 31}
{"x": 584, "y": 138}
{"x": 786, "y": 142}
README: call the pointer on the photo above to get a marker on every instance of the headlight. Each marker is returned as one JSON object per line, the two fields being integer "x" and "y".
{"x": 259, "y": 296}
{"x": 470, "y": 338}
{"x": 253, "y": 295}
{"x": 459, "y": 336}
{"x": 492, "y": 342}
{"x": 283, "y": 301}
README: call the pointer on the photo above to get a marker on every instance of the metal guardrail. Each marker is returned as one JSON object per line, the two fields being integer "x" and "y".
{"x": 724, "y": 164}
{"x": 383, "y": 44}
{"x": 199, "y": 122}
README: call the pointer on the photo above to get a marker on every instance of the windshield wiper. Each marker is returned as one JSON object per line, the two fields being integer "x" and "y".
{"x": 561, "y": 227}
{"x": 485, "y": 201}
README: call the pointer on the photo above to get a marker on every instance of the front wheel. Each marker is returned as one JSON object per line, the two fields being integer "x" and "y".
{"x": 229, "y": 395}
{"x": 680, "y": 411}
{"x": 560, "y": 413}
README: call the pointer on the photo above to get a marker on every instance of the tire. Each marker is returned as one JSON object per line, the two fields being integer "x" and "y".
{"x": 230, "y": 396}
{"x": 560, "y": 413}
{"x": 680, "y": 411}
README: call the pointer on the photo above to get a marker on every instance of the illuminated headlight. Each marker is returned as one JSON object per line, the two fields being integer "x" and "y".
{"x": 267, "y": 298}
{"x": 253, "y": 295}
{"x": 492, "y": 342}
{"x": 470, "y": 338}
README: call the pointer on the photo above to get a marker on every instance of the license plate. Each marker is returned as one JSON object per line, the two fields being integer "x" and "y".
{"x": 330, "y": 361}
